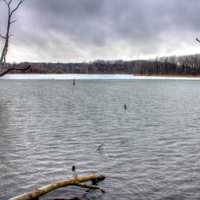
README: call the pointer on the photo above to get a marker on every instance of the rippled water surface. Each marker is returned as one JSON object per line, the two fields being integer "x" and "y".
{"x": 150, "y": 151}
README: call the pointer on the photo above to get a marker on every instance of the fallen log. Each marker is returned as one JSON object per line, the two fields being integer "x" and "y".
{"x": 38, "y": 192}
{"x": 14, "y": 69}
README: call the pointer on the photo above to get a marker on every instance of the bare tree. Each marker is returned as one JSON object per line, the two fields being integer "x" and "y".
{"x": 12, "y": 7}
{"x": 6, "y": 37}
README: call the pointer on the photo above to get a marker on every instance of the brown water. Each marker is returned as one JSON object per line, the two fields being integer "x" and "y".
{"x": 150, "y": 151}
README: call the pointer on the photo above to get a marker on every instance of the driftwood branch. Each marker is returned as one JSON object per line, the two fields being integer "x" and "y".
{"x": 38, "y": 192}
{"x": 14, "y": 69}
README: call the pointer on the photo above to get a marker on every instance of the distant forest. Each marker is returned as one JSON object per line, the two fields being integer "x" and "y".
{"x": 173, "y": 65}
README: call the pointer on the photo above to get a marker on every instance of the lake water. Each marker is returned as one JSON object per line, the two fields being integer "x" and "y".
{"x": 151, "y": 151}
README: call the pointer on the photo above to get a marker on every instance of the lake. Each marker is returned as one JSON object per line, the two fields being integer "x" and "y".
{"x": 150, "y": 151}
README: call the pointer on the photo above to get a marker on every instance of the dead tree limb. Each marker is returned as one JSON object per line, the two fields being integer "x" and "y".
{"x": 14, "y": 69}
{"x": 10, "y": 21}
{"x": 38, "y": 192}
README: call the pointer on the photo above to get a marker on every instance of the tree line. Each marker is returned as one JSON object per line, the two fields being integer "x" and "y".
{"x": 173, "y": 65}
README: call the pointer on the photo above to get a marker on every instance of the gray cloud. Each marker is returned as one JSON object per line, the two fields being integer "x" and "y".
{"x": 74, "y": 30}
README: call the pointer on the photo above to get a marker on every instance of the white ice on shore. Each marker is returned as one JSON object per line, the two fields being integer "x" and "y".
{"x": 90, "y": 77}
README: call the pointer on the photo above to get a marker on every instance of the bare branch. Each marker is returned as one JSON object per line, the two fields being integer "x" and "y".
{"x": 5, "y": 2}
{"x": 14, "y": 69}
{"x": 13, "y": 21}
{"x": 17, "y": 6}
{"x": 10, "y": 2}
{"x": 197, "y": 39}
{"x": 2, "y": 36}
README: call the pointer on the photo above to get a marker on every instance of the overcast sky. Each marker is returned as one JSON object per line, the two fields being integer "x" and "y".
{"x": 85, "y": 30}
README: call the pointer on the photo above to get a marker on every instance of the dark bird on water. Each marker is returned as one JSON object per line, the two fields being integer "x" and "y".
{"x": 100, "y": 147}
{"x": 74, "y": 171}
{"x": 74, "y": 82}
{"x": 125, "y": 107}
{"x": 73, "y": 168}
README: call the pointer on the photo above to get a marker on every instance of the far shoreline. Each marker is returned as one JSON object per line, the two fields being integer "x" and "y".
{"x": 170, "y": 75}
{"x": 113, "y": 74}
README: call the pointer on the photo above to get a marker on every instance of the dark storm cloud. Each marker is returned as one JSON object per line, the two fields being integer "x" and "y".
{"x": 90, "y": 29}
